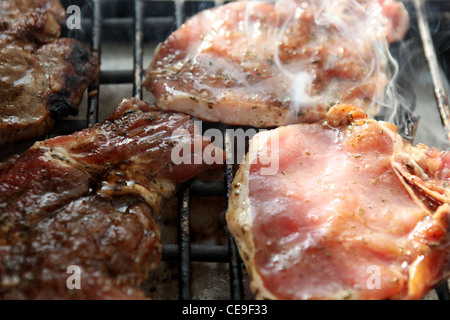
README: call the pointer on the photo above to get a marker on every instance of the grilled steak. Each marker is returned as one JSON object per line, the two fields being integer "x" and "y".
{"x": 69, "y": 69}
{"x": 37, "y": 88}
{"x": 89, "y": 200}
{"x": 350, "y": 211}
{"x": 42, "y": 77}
{"x": 23, "y": 111}
{"x": 275, "y": 63}
{"x": 30, "y": 23}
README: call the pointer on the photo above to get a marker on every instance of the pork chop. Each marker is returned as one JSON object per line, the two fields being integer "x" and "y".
{"x": 42, "y": 77}
{"x": 351, "y": 212}
{"x": 275, "y": 63}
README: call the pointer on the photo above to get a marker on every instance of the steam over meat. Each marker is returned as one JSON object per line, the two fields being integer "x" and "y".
{"x": 89, "y": 200}
{"x": 269, "y": 64}
{"x": 42, "y": 77}
{"x": 351, "y": 211}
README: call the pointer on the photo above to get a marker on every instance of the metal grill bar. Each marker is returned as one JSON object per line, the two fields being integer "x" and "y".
{"x": 179, "y": 12}
{"x": 435, "y": 70}
{"x": 126, "y": 22}
{"x": 94, "y": 88}
{"x": 138, "y": 51}
{"x": 235, "y": 262}
{"x": 199, "y": 253}
{"x": 442, "y": 291}
{"x": 116, "y": 76}
{"x": 184, "y": 243}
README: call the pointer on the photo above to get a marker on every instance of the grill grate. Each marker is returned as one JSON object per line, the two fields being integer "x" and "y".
{"x": 184, "y": 252}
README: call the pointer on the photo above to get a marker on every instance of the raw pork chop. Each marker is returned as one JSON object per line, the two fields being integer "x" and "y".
{"x": 350, "y": 211}
{"x": 269, "y": 64}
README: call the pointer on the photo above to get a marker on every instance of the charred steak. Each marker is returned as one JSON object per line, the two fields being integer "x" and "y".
{"x": 42, "y": 77}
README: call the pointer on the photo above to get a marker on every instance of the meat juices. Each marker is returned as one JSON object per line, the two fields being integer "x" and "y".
{"x": 353, "y": 212}
{"x": 89, "y": 200}
{"x": 269, "y": 64}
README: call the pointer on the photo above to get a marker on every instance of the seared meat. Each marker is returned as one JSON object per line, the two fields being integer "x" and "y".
{"x": 89, "y": 200}
{"x": 24, "y": 114}
{"x": 42, "y": 77}
{"x": 69, "y": 69}
{"x": 38, "y": 87}
{"x": 275, "y": 63}
{"x": 349, "y": 211}
{"x": 30, "y": 22}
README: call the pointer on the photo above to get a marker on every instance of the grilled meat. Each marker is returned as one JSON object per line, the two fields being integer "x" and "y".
{"x": 23, "y": 87}
{"x": 30, "y": 23}
{"x": 89, "y": 200}
{"x": 42, "y": 76}
{"x": 69, "y": 69}
{"x": 269, "y": 64}
{"x": 37, "y": 88}
{"x": 350, "y": 211}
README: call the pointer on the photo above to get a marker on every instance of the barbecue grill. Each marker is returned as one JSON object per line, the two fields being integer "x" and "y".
{"x": 123, "y": 35}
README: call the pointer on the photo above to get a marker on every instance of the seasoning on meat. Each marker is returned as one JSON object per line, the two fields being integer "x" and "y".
{"x": 274, "y": 63}
{"x": 353, "y": 212}
{"x": 30, "y": 23}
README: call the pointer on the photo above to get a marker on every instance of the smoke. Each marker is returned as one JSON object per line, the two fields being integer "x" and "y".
{"x": 330, "y": 52}
{"x": 295, "y": 59}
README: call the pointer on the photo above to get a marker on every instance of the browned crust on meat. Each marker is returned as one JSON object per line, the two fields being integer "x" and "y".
{"x": 23, "y": 86}
{"x": 69, "y": 68}
{"x": 43, "y": 77}
{"x": 91, "y": 199}
{"x": 30, "y": 23}
{"x": 38, "y": 88}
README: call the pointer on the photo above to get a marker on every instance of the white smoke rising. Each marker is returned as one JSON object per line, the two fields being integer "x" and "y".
{"x": 361, "y": 28}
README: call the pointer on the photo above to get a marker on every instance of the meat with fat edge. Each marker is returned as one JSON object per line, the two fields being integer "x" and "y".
{"x": 345, "y": 209}
{"x": 275, "y": 63}
{"x": 30, "y": 23}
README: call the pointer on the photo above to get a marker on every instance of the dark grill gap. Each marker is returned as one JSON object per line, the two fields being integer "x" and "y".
{"x": 147, "y": 26}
